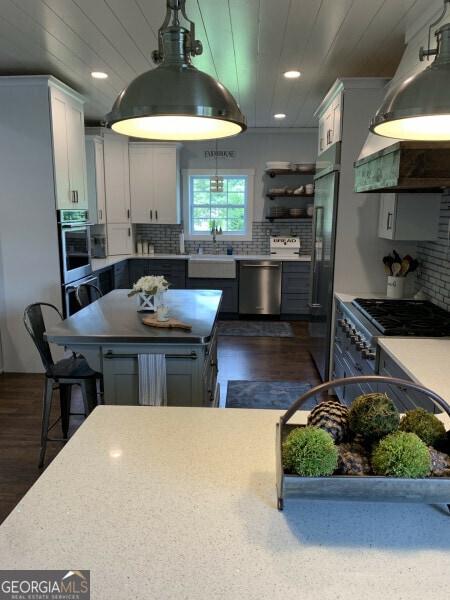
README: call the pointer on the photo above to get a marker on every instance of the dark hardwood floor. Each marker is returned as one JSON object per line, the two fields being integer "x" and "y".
{"x": 253, "y": 358}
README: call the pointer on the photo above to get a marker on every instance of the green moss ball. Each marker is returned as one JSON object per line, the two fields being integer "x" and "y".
{"x": 373, "y": 416}
{"x": 424, "y": 424}
{"x": 401, "y": 454}
{"x": 310, "y": 452}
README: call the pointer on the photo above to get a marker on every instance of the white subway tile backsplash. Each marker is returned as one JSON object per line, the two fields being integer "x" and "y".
{"x": 165, "y": 238}
{"x": 433, "y": 276}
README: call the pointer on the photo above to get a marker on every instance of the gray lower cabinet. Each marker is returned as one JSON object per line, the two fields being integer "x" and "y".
{"x": 191, "y": 372}
{"x": 173, "y": 270}
{"x": 295, "y": 288}
{"x": 404, "y": 398}
{"x": 348, "y": 363}
{"x": 229, "y": 288}
{"x": 121, "y": 277}
{"x": 105, "y": 279}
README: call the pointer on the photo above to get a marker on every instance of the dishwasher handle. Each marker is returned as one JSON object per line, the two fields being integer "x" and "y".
{"x": 254, "y": 266}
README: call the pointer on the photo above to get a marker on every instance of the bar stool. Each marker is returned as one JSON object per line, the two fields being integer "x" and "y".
{"x": 86, "y": 293}
{"x": 61, "y": 375}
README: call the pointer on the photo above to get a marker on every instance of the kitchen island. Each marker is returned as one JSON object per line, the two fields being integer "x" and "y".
{"x": 173, "y": 502}
{"x": 110, "y": 334}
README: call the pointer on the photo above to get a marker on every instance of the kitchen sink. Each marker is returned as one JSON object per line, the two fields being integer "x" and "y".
{"x": 213, "y": 266}
{"x": 214, "y": 257}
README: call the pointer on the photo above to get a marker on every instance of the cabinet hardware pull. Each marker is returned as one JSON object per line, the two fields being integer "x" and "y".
{"x": 128, "y": 213}
{"x": 156, "y": 214}
{"x": 192, "y": 355}
{"x": 261, "y": 266}
{"x": 100, "y": 214}
{"x": 129, "y": 232}
{"x": 151, "y": 215}
{"x": 389, "y": 221}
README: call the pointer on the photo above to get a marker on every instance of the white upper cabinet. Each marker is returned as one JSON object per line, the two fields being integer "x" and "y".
{"x": 120, "y": 239}
{"x": 330, "y": 123}
{"x": 95, "y": 172}
{"x": 409, "y": 216}
{"x": 154, "y": 183}
{"x": 117, "y": 178}
{"x": 68, "y": 147}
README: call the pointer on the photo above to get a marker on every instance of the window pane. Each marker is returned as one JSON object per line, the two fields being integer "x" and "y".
{"x": 226, "y": 208}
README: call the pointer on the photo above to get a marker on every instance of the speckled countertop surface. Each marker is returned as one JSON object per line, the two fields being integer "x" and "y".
{"x": 168, "y": 503}
{"x": 425, "y": 360}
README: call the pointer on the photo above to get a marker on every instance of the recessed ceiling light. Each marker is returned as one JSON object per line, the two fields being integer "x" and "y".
{"x": 279, "y": 116}
{"x": 99, "y": 75}
{"x": 292, "y": 74}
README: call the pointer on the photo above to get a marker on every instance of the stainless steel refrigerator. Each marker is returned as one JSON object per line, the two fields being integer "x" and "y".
{"x": 322, "y": 257}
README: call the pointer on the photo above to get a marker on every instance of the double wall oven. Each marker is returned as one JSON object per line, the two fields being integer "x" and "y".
{"x": 361, "y": 323}
{"x": 75, "y": 255}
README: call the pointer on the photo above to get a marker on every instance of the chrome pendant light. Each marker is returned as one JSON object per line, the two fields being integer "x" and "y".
{"x": 419, "y": 107}
{"x": 175, "y": 101}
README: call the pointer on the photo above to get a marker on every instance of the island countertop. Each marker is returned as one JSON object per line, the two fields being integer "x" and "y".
{"x": 114, "y": 319}
{"x": 167, "y": 503}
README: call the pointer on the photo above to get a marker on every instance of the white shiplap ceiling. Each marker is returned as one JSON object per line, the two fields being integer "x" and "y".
{"x": 248, "y": 44}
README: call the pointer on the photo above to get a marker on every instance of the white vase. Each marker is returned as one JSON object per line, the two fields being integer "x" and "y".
{"x": 148, "y": 302}
{"x": 395, "y": 287}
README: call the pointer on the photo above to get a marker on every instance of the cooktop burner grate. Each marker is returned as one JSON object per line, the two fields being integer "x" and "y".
{"x": 405, "y": 317}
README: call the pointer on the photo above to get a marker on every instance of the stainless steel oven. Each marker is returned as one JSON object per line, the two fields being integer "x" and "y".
{"x": 70, "y": 303}
{"x": 361, "y": 323}
{"x": 74, "y": 244}
{"x": 75, "y": 255}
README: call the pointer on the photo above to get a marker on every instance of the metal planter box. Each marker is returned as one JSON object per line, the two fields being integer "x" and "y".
{"x": 430, "y": 490}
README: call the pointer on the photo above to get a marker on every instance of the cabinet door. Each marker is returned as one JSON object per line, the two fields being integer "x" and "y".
{"x": 165, "y": 184}
{"x": 121, "y": 278}
{"x": 76, "y": 152}
{"x": 141, "y": 183}
{"x": 117, "y": 179}
{"x": 120, "y": 240}
{"x": 330, "y": 124}
{"x": 409, "y": 216}
{"x": 154, "y": 184}
{"x": 95, "y": 179}
{"x": 68, "y": 150}
{"x": 185, "y": 386}
{"x": 295, "y": 288}
{"x": 336, "y": 109}
{"x": 387, "y": 216}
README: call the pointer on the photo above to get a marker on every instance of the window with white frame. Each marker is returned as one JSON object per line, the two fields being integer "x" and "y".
{"x": 229, "y": 210}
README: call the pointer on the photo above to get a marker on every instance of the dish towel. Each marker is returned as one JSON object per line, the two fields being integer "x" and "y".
{"x": 152, "y": 379}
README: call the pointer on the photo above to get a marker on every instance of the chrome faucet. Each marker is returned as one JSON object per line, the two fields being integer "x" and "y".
{"x": 214, "y": 233}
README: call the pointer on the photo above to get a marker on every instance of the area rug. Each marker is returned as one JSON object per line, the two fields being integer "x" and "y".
{"x": 255, "y": 328}
{"x": 267, "y": 394}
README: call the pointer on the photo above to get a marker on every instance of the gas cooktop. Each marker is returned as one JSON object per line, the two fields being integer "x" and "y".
{"x": 405, "y": 317}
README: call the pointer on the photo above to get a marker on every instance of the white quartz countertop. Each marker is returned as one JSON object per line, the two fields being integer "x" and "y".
{"x": 425, "y": 360}
{"x": 168, "y": 503}
{"x": 101, "y": 263}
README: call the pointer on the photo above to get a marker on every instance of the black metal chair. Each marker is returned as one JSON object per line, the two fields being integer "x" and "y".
{"x": 59, "y": 375}
{"x": 86, "y": 293}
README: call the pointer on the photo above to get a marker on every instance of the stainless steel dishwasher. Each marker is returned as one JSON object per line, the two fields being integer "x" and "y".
{"x": 259, "y": 287}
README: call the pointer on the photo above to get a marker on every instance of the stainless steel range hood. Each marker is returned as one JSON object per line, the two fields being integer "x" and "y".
{"x": 405, "y": 166}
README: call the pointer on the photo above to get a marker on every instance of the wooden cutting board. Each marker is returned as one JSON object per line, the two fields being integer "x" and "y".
{"x": 152, "y": 321}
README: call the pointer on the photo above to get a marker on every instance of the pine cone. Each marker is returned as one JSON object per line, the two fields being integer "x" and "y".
{"x": 352, "y": 460}
{"x": 332, "y": 417}
{"x": 440, "y": 463}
